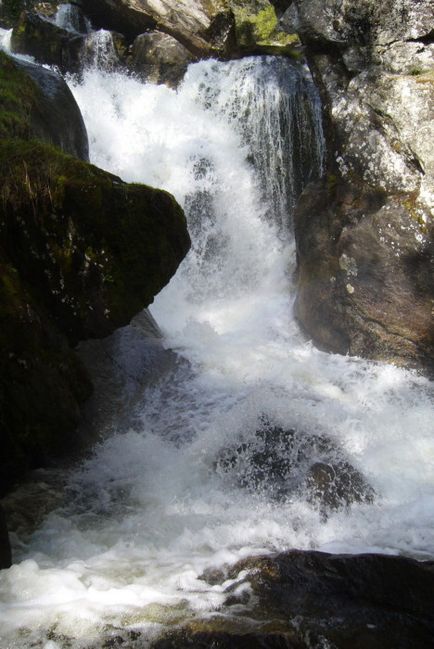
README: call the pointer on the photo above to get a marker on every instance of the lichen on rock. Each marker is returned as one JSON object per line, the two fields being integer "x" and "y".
{"x": 373, "y": 66}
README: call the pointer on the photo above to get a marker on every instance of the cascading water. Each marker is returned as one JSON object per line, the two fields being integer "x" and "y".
{"x": 162, "y": 501}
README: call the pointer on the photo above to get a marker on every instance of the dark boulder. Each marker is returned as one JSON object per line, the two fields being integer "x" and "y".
{"x": 5, "y": 546}
{"x": 46, "y": 42}
{"x": 81, "y": 253}
{"x": 282, "y": 462}
{"x": 316, "y": 600}
{"x": 365, "y": 274}
{"x": 10, "y": 10}
{"x": 37, "y": 103}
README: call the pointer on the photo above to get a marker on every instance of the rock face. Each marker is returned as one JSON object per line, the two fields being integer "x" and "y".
{"x": 81, "y": 252}
{"x": 365, "y": 235}
{"x": 313, "y": 600}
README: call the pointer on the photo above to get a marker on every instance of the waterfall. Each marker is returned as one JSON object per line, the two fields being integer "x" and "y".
{"x": 177, "y": 491}
{"x": 70, "y": 17}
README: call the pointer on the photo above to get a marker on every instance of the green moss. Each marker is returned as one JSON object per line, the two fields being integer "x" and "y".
{"x": 259, "y": 28}
{"x": 18, "y": 93}
{"x": 81, "y": 252}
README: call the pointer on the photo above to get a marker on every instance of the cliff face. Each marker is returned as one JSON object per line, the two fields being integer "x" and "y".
{"x": 365, "y": 234}
{"x": 81, "y": 253}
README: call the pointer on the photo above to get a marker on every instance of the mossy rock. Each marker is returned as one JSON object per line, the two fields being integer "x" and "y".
{"x": 37, "y": 103}
{"x": 46, "y": 42}
{"x": 10, "y": 10}
{"x": 258, "y": 30}
{"x": 81, "y": 253}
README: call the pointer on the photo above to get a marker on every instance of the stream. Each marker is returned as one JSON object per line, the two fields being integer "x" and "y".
{"x": 175, "y": 490}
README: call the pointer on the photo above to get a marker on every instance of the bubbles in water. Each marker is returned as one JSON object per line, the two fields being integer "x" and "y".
{"x": 192, "y": 487}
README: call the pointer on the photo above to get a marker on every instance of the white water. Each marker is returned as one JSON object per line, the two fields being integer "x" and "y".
{"x": 151, "y": 509}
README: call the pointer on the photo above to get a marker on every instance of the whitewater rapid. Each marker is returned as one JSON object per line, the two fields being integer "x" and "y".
{"x": 151, "y": 509}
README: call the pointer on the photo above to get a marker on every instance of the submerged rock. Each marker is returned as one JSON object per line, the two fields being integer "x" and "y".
{"x": 282, "y": 463}
{"x": 365, "y": 235}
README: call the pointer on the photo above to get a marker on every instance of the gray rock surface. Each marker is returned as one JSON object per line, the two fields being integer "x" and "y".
{"x": 204, "y": 27}
{"x": 159, "y": 58}
{"x": 374, "y": 65}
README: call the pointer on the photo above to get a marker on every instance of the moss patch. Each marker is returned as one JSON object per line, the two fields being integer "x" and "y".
{"x": 18, "y": 93}
{"x": 257, "y": 26}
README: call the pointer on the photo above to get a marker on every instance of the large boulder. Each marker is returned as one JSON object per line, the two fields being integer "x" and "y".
{"x": 204, "y": 27}
{"x": 365, "y": 235}
{"x": 284, "y": 462}
{"x": 10, "y": 10}
{"x": 81, "y": 253}
{"x": 46, "y": 42}
{"x": 159, "y": 58}
{"x": 5, "y": 546}
{"x": 314, "y": 600}
{"x": 37, "y": 103}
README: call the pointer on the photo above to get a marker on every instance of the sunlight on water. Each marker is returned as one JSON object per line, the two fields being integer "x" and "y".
{"x": 154, "y": 506}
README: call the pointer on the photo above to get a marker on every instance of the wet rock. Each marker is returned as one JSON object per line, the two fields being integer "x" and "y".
{"x": 37, "y": 103}
{"x": 343, "y": 601}
{"x": 10, "y": 10}
{"x": 365, "y": 274}
{"x": 373, "y": 65}
{"x": 258, "y": 30}
{"x": 335, "y": 485}
{"x": 46, "y": 42}
{"x": 5, "y": 547}
{"x": 81, "y": 253}
{"x": 159, "y": 58}
{"x": 282, "y": 462}
{"x": 105, "y": 50}
{"x": 224, "y": 640}
{"x": 205, "y": 28}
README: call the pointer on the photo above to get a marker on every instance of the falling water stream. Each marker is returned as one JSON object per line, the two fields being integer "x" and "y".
{"x": 154, "y": 505}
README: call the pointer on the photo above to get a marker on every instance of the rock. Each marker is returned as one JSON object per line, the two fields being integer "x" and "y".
{"x": 105, "y": 50}
{"x": 81, "y": 253}
{"x": 314, "y": 600}
{"x": 159, "y": 58}
{"x": 5, "y": 547}
{"x": 342, "y": 601}
{"x": 46, "y": 42}
{"x": 204, "y": 27}
{"x": 258, "y": 30}
{"x": 226, "y": 640}
{"x": 336, "y": 484}
{"x": 281, "y": 462}
{"x": 365, "y": 235}
{"x": 10, "y": 10}
{"x": 37, "y": 103}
